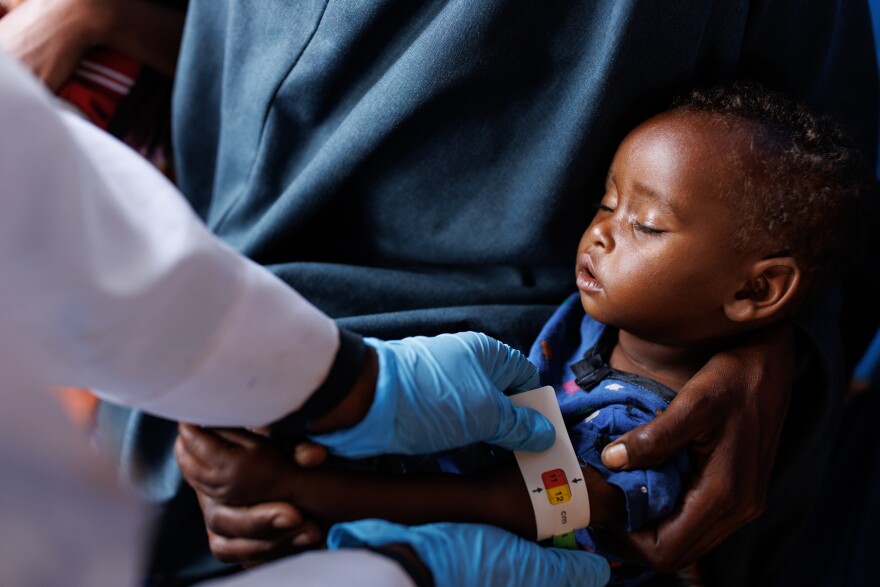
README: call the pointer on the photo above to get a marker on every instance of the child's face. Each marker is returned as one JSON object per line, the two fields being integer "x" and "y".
{"x": 657, "y": 259}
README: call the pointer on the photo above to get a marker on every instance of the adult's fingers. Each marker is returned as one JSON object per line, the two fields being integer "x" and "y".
{"x": 709, "y": 513}
{"x": 523, "y": 429}
{"x": 506, "y": 368}
{"x": 726, "y": 492}
{"x": 728, "y": 489}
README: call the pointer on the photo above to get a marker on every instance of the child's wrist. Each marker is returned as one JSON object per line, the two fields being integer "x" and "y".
{"x": 607, "y": 501}
{"x": 509, "y": 507}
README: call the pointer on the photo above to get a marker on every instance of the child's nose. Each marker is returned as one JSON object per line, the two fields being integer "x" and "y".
{"x": 600, "y": 233}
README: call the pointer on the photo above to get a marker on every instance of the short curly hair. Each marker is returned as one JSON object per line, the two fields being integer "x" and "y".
{"x": 803, "y": 182}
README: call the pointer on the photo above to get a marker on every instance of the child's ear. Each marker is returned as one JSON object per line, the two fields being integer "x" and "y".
{"x": 771, "y": 285}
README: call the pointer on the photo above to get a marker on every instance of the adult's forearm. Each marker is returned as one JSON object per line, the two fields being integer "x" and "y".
{"x": 117, "y": 286}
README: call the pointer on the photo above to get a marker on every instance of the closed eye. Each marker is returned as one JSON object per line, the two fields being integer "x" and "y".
{"x": 647, "y": 229}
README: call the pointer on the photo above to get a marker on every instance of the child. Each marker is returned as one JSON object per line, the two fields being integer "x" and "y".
{"x": 720, "y": 216}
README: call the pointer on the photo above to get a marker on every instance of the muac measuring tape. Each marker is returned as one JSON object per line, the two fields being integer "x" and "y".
{"x": 554, "y": 478}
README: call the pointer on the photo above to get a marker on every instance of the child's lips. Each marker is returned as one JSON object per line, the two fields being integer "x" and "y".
{"x": 586, "y": 275}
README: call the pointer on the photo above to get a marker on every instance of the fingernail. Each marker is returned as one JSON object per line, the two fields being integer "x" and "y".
{"x": 282, "y": 522}
{"x": 615, "y": 456}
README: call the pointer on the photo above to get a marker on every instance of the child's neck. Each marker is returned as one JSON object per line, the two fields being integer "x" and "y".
{"x": 673, "y": 366}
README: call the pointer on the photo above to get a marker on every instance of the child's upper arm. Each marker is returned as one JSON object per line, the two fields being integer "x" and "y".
{"x": 650, "y": 494}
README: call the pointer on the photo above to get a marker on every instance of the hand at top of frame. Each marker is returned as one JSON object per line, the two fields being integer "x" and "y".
{"x": 50, "y": 36}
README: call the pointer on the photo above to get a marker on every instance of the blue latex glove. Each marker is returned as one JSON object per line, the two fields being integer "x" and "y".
{"x": 460, "y": 555}
{"x": 444, "y": 392}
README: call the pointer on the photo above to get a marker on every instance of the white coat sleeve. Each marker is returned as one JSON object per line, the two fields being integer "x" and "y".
{"x": 346, "y": 566}
{"x": 109, "y": 281}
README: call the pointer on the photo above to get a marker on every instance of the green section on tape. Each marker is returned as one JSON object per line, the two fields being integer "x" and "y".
{"x": 565, "y": 541}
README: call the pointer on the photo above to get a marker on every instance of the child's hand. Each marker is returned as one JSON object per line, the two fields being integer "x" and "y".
{"x": 242, "y": 481}
{"x": 251, "y": 535}
{"x": 234, "y": 467}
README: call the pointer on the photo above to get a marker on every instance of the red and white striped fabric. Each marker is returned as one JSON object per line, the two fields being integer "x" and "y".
{"x": 102, "y": 80}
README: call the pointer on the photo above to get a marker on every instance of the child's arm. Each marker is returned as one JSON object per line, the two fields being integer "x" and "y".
{"x": 237, "y": 468}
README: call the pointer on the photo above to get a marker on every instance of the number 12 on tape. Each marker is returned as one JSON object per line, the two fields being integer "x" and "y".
{"x": 556, "y": 484}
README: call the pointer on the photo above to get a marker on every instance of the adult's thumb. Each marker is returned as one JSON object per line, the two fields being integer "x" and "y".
{"x": 655, "y": 442}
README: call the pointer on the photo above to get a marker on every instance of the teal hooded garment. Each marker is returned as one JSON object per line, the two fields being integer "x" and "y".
{"x": 416, "y": 167}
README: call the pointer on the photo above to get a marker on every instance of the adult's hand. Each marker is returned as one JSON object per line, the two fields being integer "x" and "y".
{"x": 731, "y": 415}
{"x": 444, "y": 392}
{"x": 459, "y": 555}
{"x": 51, "y": 36}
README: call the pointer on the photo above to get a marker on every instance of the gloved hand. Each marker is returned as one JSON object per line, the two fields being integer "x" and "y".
{"x": 459, "y": 555}
{"x": 444, "y": 392}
